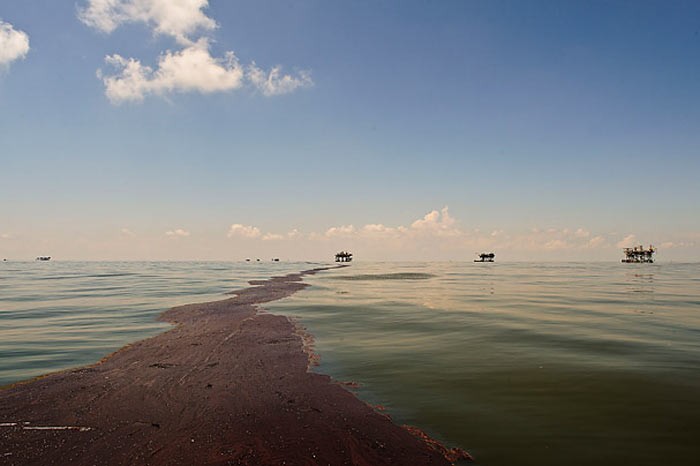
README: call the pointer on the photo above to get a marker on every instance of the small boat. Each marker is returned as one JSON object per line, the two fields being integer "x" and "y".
{"x": 485, "y": 257}
{"x": 43, "y": 258}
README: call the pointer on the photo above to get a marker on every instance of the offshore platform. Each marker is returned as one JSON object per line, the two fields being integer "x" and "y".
{"x": 639, "y": 255}
{"x": 485, "y": 257}
{"x": 343, "y": 256}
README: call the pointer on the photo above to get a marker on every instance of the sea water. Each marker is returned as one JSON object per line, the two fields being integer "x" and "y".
{"x": 56, "y": 315}
{"x": 521, "y": 364}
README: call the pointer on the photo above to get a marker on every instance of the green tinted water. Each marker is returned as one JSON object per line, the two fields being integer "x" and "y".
{"x": 56, "y": 315}
{"x": 521, "y": 364}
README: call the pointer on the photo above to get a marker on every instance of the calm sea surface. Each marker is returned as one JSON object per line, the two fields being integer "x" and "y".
{"x": 521, "y": 364}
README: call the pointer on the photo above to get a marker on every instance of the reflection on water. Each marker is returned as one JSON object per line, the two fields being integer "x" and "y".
{"x": 522, "y": 364}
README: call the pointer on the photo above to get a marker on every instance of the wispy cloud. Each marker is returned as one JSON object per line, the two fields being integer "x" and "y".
{"x": 178, "y": 233}
{"x": 596, "y": 242}
{"x": 273, "y": 237}
{"x": 344, "y": 230}
{"x": 273, "y": 82}
{"x": 677, "y": 244}
{"x": 127, "y": 233}
{"x": 628, "y": 241}
{"x": 193, "y": 68}
{"x": 14, "y": 44}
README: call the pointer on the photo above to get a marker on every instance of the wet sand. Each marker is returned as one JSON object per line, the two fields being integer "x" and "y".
{"x": 229, "y": 384}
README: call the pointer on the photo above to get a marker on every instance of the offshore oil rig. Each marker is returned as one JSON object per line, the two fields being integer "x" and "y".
{"x": 343, "y": 256}
{"x": 485, "y": 257}
{"x": 638, "y": 255}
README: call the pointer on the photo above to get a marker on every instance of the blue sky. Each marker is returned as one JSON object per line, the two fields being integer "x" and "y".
{"x": 552, "y": 129}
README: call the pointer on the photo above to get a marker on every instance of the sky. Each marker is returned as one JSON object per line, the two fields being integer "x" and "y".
{"x": 401, "y": 130}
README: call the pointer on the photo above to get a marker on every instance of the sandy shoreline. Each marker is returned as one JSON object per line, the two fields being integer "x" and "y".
{"x": 226, "y": 385}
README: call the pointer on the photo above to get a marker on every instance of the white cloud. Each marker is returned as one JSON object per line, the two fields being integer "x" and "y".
{"x": 191, "y": 69}
{"x": 581, "y": 233}
{"x": 274, "y": 83}
{"x": 677, "y": 244}
{"x": 179, "y": 233}
{"x": 5, "y": 236}
{"x": 439, "y": 223}
{"x": 128, "y": 233}
{"x": 627, "y": 242}
{"x": 596, "y": 242}
{"x": 556, "y": 244}
{"x": 246, "y": 231}
{"x": 14, "y": 44}
{"x": 180, "y": 19}
{"x": 345, "y": 230}
{"x": 272, "y": 237}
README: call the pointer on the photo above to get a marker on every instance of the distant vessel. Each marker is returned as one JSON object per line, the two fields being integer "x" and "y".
{"x": 343, "y": 256}
{"x": 43, "y": 258}
{"x": 639, "y": 255}
{"x": 485, "y": 257}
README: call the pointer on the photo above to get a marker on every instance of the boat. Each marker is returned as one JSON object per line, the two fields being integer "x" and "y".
{"x": 43, "y": 258}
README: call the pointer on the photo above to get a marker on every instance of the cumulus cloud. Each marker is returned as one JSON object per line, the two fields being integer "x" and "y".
{"x": 5, "y": 236}
{"x": 180, "y": 19}
{"x": 128, "y": 233}
{"x": 14, "y": 44}
{"x": 438, "y": 232}
{"x": 436, "y": 222}
{"x": 179, "y": 233}
{"x": 245, "y": 231}
{"x": 190, "y": 69}
{"x": 345, "y": 230}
